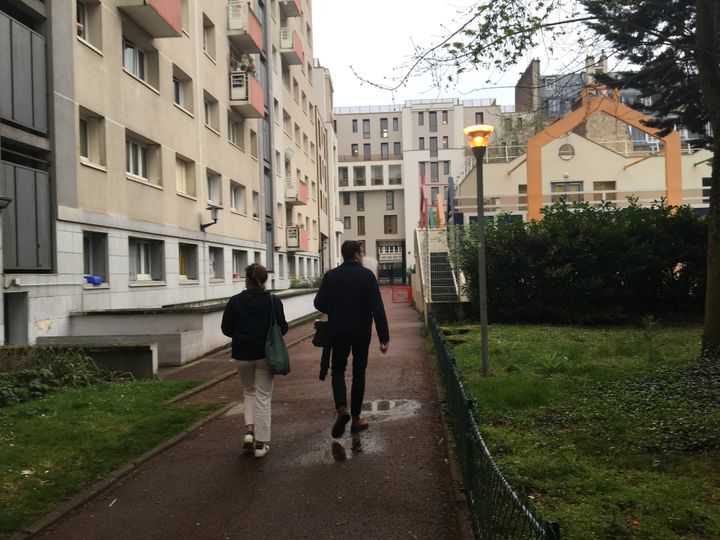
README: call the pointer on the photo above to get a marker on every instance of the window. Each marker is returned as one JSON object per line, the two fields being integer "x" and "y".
{"x": 182, "y": 89}
{"x": 91, "y": 129}
{"x": 384, "y": 151}
{"x": 433, "y": 147}
{"x": 136, "y": 158}
{"x": 607, "y": 190}
{"x": 134, "y": 59}
{"x": 422, "y": 169}
{"x": 572, "y": 191}
{"x": 397, "y": 148}
{"x": 390, "y": 224}
{"x": 216, "y": 269}
{"x": 211, "y": 115}
{"x": 361, "y": 225}
{"x": 354, "y": 150}
{"x": 346, "y": 198}
{"x": 360, "y": 201}
{"x": 396, "y": 124}
{"x": 434, "y": 195}
{"x": 208, "y": 37}
{"x": 446, "y": 167}
{"x": 445, "y": 143}
{"x": 434, "y": 176}
{"x": 444, "y": 117}
{"x": 706, "y": 186}
{"x": 421, "y": 143}
{"x": 239, "y": 263}
{"x": 95, "y": 254}
{"x": 256, "y": 204}
{"x": 366, "y": 151}
{"x": 187, "y": 262}
{"x": 421, "y": 119}
{"x": 237, "y": 197}
{"x": 433, "y": 120}
{"x": 479, "y": 118}
{"x": 347, "y": 222}
{"x": 384, "y": 133}
{"x": 236, "y": 131}
{"x": 376, "y": 175}
{"x": 214, "y": 188}
{"x": 395, "y": 175}
{"x": 359, "y": 176}
{"x": 390, "y": 200}
{"x": 88, "y": 23}
{"x": 184, "y": 175}
{"x": 147, "y": 259}
{"x": 366, "y": 128}
{"x": 343, "y": 176}
{"x": 354, "y": 126}
{"x": 253, "y": 144}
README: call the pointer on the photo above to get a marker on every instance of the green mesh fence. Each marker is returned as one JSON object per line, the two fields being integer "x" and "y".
{"x": 497, "y": 511}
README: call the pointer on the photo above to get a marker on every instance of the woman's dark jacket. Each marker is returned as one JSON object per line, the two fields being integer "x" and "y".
{"x": 247, "y": 320}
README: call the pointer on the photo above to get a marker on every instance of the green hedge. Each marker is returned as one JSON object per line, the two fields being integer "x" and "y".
{"x": 584, "y": 264}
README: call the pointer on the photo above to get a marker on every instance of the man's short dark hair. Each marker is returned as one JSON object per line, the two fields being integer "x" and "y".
{"x": 349, "y": 249}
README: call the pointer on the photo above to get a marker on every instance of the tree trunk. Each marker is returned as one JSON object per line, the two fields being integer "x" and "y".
{"x": 708, "y": 62}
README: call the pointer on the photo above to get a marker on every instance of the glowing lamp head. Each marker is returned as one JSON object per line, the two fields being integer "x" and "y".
{"x": 478, "y": 135}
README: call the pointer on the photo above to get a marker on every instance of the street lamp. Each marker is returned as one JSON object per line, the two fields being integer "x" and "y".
{"x": 478, "y": 138}
{"x": 214, "y": 215}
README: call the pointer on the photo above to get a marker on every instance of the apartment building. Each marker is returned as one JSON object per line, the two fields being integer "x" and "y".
{"x": 152, "y": 149}
{"x": 387, "y": 157}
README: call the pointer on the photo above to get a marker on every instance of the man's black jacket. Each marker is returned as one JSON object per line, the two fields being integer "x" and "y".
{"x": 350, "y": 295}
{"x": 247, "y": 319}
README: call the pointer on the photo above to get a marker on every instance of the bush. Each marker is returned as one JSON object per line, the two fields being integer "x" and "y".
{"x": 32, "y": 372}
{"x": 585, "y": 264}
{"x": 305, "y": 282}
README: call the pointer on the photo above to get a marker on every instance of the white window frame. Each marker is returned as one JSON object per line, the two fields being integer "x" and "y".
{"x": 238, "y": 190}
{"x": 135, "y": 63}
{"x": 136, "y": 159}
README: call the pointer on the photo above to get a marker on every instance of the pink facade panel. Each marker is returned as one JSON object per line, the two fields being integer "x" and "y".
{"x": 170, "y": 10}
{"x": 255, "y": 30}
{"x": 257, "y": 96}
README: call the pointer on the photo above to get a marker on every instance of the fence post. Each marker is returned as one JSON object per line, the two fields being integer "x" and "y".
{"x": 552, "y": 530}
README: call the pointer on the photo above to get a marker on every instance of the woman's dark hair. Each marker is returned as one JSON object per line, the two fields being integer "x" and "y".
{"x": 255, "y": 276}
{"x": 349, "y": 248}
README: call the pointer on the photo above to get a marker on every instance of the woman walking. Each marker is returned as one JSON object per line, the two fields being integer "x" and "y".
{"x": 246, "y": 320}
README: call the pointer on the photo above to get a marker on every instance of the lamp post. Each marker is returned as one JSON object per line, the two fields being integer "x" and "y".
{"x": 478, "y": 138}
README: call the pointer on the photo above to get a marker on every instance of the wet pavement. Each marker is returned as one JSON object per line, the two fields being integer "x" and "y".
{"x": 392, "y": 481}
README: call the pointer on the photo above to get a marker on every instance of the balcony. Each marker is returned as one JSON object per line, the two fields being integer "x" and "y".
{"x": 159, "y": 18}
{"x": 291, "y": 8}
{"x": 291, "y": 47}
{"x": 297, "y": 238}
{"x": 244, "y": 29}
{"x": 246, "y": 95}
{"x": 296, "y": 192}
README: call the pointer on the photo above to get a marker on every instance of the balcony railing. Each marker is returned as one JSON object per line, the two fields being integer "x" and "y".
{"x": 244, "y": 28}
{"x": 372, "y": 157}
{"x": 246, "y": 95}
{"x": 296, "y": 191}
{"x": 291, "y": 8}
{"x": 291, "y": 47}
{"x": 297, "y": 238}
{"x": 159, "y": 18}
{"x": 517, "y": 203}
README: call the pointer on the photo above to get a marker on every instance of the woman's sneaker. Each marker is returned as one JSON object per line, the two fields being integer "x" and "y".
{"x": 261, "y": 449}
{"x": 249, "y": 441}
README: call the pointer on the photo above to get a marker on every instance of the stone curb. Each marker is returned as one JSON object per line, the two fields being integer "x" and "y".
{"x": 97, "y": 488}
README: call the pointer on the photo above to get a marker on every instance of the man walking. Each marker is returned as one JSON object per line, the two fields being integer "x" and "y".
{"x": 350, "y": 296}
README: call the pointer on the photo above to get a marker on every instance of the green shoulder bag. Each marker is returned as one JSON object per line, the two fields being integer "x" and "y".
{"x": 276, "y": 352}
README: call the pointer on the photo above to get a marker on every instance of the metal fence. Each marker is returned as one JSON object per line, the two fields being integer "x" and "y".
{"x": 497, "y": 511}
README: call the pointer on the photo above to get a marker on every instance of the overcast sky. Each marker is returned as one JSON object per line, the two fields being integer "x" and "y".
{"x": 376, "y": 37}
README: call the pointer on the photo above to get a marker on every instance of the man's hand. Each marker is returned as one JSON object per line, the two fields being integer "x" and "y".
{"x": 384, "y": 347}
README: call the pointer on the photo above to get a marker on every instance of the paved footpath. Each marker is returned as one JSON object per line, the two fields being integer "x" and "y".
{"x": 392, "y": 481}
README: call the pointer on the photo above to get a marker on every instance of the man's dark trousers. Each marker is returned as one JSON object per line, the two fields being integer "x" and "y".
{"x": 342, "y": 346}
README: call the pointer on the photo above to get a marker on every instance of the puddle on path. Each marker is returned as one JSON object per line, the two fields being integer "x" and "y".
{"x": 383, "y": 410}
{"x": 331, "y": 451}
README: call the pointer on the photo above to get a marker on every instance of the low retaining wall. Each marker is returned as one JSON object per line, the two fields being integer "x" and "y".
{"x": 182, "y": 332}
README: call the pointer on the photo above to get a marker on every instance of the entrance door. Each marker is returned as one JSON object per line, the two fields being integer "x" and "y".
{"x": 16, "y": 318}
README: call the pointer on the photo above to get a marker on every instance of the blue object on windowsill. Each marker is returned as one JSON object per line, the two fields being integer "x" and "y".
{"x": 93, "y": 280}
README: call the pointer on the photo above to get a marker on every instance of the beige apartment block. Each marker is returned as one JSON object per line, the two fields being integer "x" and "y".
{"x": 182, "y": 140}
{"x": 389, "y": 155}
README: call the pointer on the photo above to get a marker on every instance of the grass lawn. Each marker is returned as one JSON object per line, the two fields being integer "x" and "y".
{"x": 50, "y": 449}
{"x": 614, "y": 433}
